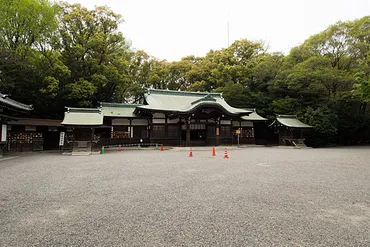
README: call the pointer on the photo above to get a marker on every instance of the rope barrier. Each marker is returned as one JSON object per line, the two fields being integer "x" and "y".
{"x": 131, "y": 145}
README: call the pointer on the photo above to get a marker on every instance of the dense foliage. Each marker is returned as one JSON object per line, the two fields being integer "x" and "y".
{"x": 57, "y": 55}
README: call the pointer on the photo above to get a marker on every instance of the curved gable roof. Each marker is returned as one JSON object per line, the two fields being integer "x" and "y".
{"x": 186, "y": 102}
{"x": 83, "y": 116}
{"x": 290, "y": 121}
{"x": 4, "y": 99}
{"x": 118, "y": 109}
{"x": 254, "y": 116}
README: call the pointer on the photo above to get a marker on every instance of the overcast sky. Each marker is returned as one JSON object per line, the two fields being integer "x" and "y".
{"x": 172, "y": 29}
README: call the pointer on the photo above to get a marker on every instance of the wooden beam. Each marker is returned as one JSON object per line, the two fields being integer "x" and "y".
{"x": 188, "y": 132}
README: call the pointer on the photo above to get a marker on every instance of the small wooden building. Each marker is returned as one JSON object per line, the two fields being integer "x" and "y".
{"x": 290, "y": 130}
{"x": 83, "y": 122}
{"x": 33, "y": 134}
{"x": 10, "y": 110}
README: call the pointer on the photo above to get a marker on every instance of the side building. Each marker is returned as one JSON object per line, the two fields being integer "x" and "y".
{"x": 10, "y": 110}
{"x": 289, "y": 130}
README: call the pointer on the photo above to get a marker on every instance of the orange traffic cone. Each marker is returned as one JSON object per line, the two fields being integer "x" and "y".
{"x": 191, "y": 153}
{"x": 226, "y": 156}
{"x": 119, "y": 148}
{"x": 162, "y": 147}
{"x": 213, "y": 151}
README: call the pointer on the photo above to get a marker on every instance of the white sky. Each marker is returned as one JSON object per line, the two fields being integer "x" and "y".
{"x": 172, "y": 29}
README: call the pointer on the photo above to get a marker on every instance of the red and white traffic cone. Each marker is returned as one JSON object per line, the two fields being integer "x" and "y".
{"x": 191, "y": 153}
{"x": 226, "y": 156}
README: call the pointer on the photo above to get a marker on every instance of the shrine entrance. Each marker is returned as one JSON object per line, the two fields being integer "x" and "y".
{"x": 198, "y": 133}
{"x": 206, "y": 127}
{"x": 85, "y": 139}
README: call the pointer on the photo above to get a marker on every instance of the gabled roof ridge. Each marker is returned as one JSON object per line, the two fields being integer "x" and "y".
{"x": 112, "y": 104}
{"x": 83, "y": 110}
{"x": 251, "y": 109}
{"x": 286, "y": 116}
{"x": 182, "y": 93}
{"x": 291, "y": 121}
{"x": 207, "y": 97}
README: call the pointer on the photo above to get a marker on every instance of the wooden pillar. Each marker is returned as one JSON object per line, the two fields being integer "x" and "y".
{"x": 230, "y": 135}
{"x": 206, "y": 133}
{"x": 253, "y": 133}
{"x": 149, "y": 129}
{"x": 301, "y": 133}
{"x": 180, "y": 131}
{"x": 73, "y": 138}
{"x": 218, "y": 130}
{"x": 166, "y": 126}
{"x": 188, "y": 132}
{"x": 3, "y": 138}
{"x": 91, "y": 139}
{"x": 240, "y": 135}
{"x": 130, "y": 127}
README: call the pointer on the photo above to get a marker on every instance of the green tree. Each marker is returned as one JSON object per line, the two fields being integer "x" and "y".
{"x": 324, "y": 123}
{"x": 93, "y": 50}
{"x": 26, "y": 28}
{"x": 234, "y": 94}
{"x": 26, "y": 24}
{"x": 362, "y": 86}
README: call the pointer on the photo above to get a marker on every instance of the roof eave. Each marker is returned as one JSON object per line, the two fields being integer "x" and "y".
{"x": 212, "y": 104}
{"x": 256, "y": 120}
{"x": 305, "y": 126}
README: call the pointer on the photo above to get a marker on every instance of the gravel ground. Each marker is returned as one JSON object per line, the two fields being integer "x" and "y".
{"x": 258, "y": 197}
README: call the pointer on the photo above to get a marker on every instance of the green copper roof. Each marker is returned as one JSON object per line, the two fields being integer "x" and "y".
{"x": 206, "y": 98}
{"x": 4, "y": 99}
{"x": 118, "y": 109}
{"x": 83, "y": 116}
{"x": 253, "y": 116}
{"x": 290, "y": 121}
{"x": 186, "y": 102}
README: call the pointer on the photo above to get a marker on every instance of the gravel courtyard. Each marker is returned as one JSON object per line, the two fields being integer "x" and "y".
{"x": 258, "y": 197}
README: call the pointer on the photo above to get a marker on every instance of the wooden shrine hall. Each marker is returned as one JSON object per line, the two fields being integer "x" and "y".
{"x": 175, "y": 118}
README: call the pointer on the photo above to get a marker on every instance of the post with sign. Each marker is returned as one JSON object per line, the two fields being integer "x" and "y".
{"x": 238, "y": 133}
{"x": 61, "y": 140}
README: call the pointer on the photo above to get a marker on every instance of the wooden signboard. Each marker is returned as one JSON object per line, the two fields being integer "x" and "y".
{"x": 61, "y": 138}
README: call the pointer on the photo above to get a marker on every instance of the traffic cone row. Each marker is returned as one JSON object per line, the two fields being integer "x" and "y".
{"x": 226, "y": 155}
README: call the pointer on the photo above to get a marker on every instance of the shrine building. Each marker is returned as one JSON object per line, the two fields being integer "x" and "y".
{"x": 175, "y": 118}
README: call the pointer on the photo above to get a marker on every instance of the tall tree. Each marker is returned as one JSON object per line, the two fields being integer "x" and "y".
{"x": 94, "y": 56}
{"x": 26, "y": 28}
